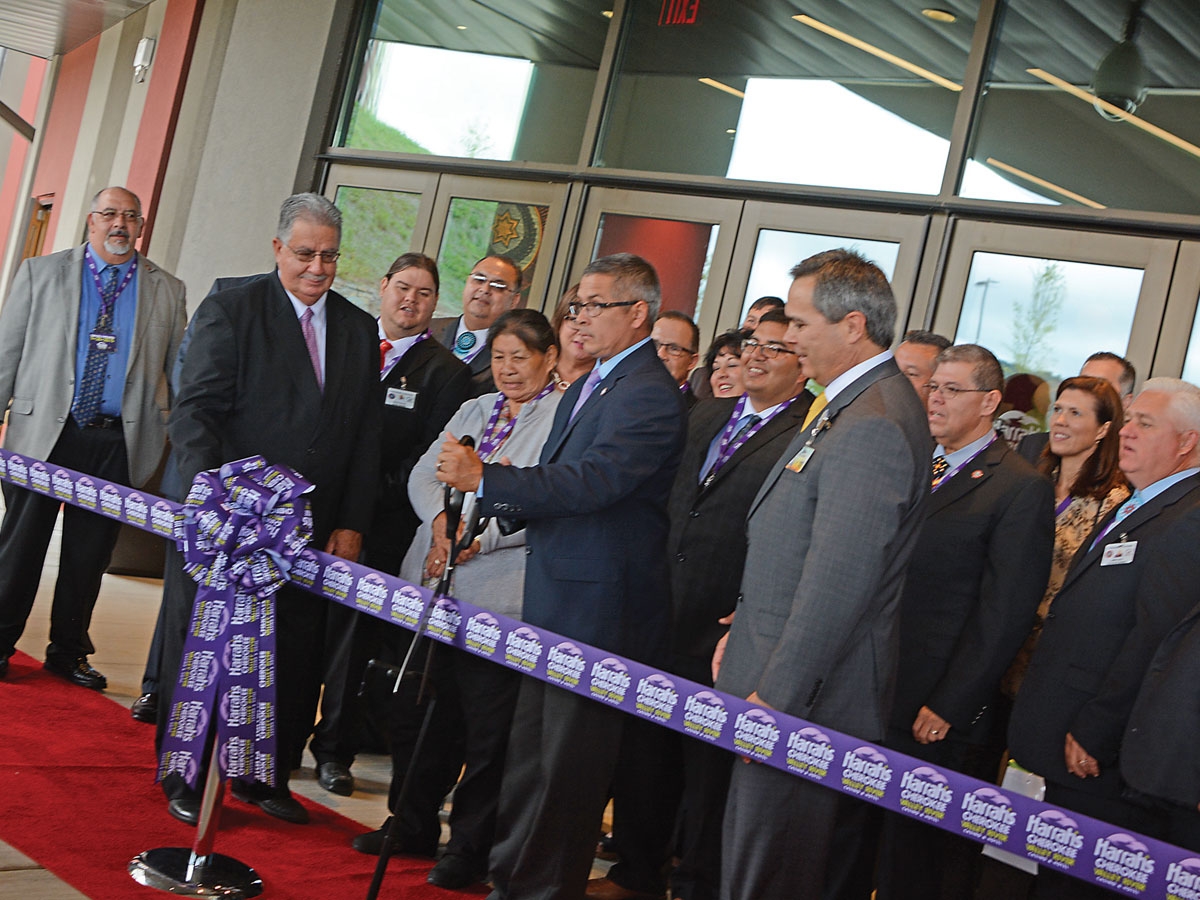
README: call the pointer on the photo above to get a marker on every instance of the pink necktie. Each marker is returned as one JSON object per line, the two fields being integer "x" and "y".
{"x": 588, "y": 386}
{"x": 310, "y": 341}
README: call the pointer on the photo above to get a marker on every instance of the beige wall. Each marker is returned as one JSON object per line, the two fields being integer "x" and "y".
{"x": 240, "y": 137}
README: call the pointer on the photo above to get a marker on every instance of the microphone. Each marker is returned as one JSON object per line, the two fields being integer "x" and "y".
{"x": 453, "y": 501}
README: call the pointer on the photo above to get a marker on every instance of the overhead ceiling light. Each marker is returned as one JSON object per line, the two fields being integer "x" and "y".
{"x": 1042, "y": 182}
{"x": 877, "y": 52}
{"x": 1116, "y": 112}
{"x": 731, "y": 131}
{"x": 713, "y": 83}
{"x": 1121, "y": 77}
{"x": 607, "y": 13}
{"x": 461, "y": 27}
{"x": 939, "y": 15}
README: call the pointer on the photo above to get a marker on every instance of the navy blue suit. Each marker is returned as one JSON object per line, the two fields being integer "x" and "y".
{"x": 596, "y": 511}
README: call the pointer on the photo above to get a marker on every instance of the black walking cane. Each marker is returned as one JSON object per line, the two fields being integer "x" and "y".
{"x": 453, "y": 508}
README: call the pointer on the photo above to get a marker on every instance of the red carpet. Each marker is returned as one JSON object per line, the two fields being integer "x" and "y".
{"x": 77, "y": 794}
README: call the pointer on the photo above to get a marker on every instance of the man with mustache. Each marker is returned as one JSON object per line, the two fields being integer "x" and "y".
{"x": 87, "y": 338}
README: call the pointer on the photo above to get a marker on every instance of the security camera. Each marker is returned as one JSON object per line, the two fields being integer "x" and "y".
{"x": 1120, "y": 80}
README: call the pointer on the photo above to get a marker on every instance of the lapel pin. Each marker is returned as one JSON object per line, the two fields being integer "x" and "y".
{"x": 978, "y": 473}
{"x": 603, "y": 391}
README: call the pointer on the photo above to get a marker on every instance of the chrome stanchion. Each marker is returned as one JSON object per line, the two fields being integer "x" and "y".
{"x": 199, "y": 872}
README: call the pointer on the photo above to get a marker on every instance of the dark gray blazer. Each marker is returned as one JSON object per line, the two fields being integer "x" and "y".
{"x": 1100, "y": 635}
{"x": 816, "y": 629}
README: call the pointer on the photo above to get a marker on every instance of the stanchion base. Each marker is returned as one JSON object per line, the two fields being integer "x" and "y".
{"x": 166, "y": 868}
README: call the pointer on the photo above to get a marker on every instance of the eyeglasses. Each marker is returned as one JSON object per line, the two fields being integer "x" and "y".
{"x": 477, "y": 281}
{"x": 107, "y": 215}
{"x": 950, "y": 391}
{"x": 673, "y": 349}
{"x": 594, "y": 307}
{"x": 770, "y": 351}
{"x": 307, "y": 255}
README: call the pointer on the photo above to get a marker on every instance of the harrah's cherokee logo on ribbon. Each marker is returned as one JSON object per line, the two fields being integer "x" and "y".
{"x": 39, "y": 477}
{"x": 137, "y": 510}
{"x": 755, "y": 734}
{"x": 1183, "y": 880}
{"x": 610, "y": 680}
{"x": 406, "y": 606}
{"x": 1122, "y": 862}
{"x": 866, "y": 773}
{"x": 162, "y": 518}
{"x": 705, "y": 715}
{"x": 63, "y": 485}
{"x": 523, "y": 648}
{"x": 337, "y": 580}
{"x": 371, "y": 592}
{"x": 987, "y": 814}
{"x": 925, "y": 793}
{"x": 809, "y": 752}
{"x": 482, "y": 634}
{"x": 305, "y": 568}
{"x": 1053, "y": 838}
{"x": 565, "y": 665}
{"x": 444, "y": 619}
{"x": 656, "y": 697}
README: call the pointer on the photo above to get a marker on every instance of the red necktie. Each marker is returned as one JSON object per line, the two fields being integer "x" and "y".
{"x": 384, "y": 346}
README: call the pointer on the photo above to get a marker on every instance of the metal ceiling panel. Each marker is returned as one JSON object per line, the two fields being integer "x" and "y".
{"x": 49, "y": 28}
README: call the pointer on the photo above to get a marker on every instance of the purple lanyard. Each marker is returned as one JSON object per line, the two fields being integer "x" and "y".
{"x": 494, "y": 437}
{"x": 728, "y": 445}
{"x": 1062, "y": 505}
{"x": 106, "y": 305}
{"x": 952, "y": 472}
{"x": 400, "y": 356}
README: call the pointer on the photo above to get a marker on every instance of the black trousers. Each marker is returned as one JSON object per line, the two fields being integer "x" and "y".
{"x": 87, "y": 545}
{"x": 561, "y": 756}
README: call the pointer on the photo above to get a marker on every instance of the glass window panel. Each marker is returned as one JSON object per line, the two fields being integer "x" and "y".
{"x": 778, "y": 251}
{"x": 1042, "y": 318}
{"x": 460, "y": 79}
{"x": 479, "y": 228}
{"x": 1040, "y": 137}
{"x": 681, "y": 252}
{"x": 377, "y": 226}
{"x": 751, "y": 90}
{"x": 1191, "y": 365}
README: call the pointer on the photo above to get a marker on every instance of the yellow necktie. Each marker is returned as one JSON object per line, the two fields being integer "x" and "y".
{"x": 815, "y": 410}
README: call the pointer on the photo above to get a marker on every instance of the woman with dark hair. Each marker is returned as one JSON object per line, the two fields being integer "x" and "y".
{"x": 510, "y": 425}
{"x": 723, "y": 361}
{"x": 1081, "y": 460}
{"x": 573, "y": 360}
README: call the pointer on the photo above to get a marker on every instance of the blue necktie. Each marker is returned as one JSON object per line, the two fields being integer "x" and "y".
{"x": 95, "y": 368}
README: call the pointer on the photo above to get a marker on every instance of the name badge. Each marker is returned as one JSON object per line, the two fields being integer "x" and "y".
{"x": 401, "y": 398}
{"x": 100, "y": 341}
{"x": 800, "y": 459}
{"x": 1118, "y": 554}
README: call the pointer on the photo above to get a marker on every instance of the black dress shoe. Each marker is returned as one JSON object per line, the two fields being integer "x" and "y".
{"x": 371, "y": 843}
{"x": 76, "y": 671}
{"x": 280, "y": 805}
{"x": 335, "y": 778}
{"x": 185, "y": 809}
{"x": 454, "y": 872}
{"x": 145, "y": 709}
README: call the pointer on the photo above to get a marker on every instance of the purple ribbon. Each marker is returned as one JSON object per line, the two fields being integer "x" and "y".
{"x": 1066, "y": 841}
{"x": 241, "y": 528}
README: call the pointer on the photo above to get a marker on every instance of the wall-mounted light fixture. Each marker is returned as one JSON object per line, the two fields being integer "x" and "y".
{"x": 142, "y": 59}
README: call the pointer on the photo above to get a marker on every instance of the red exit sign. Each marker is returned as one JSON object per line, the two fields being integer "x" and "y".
{"x": 678, "y": 12}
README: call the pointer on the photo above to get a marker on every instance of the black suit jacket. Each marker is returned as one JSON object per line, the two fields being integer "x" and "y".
{"x": 444, "y": 329}
{"x": 1031, "y": 446}
{"x": 706, "y": 547}
{"x": 1158, "y": 754}
{"x": 1101, "y": 633}
{"x": 442, "y": 384}
{"x": 596, "y": 506}
{"x": 976, "y": 577}
{"x": 247, "y": 387}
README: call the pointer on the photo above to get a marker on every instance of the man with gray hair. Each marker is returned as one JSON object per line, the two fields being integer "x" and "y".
{"x": 87, "y": 339}
{"x": 830, "y": 534}
{"x": 284, "y": 367}
{"x": 596, "y": 571}
{"x": 1132, "y": 580}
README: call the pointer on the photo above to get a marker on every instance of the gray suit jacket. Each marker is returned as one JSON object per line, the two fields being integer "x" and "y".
{"x": 38, "y": 329}
{"x": 816, "y": 627}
